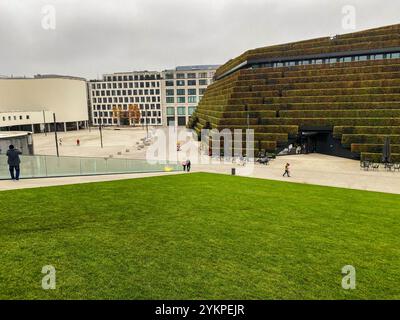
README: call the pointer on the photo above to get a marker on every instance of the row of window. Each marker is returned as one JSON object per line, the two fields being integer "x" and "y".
{"x": 329, "y": 60}
{"x": 132, "y": 77}
{"x": 181, "y": 111}
{"x": 190, "y": 75}
{"x": 9, "y": 118}
{"x": 182, "y": 83}
{"x": 143, "y": 114}
{"x": 191, "y": 99}
{"x": 125, "y": 107}
{"x": 127, "y": 99}
{"x": 182, "y": 92}
{"x": 125, "y": 85}
{"x": 139, "y": 92}
{"x": 115, "y": 121}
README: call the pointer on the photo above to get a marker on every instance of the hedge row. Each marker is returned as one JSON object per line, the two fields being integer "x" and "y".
{"x": 373, "y": 148}
{"x": 340, "y": 91}
{"x": 348, "y": 139}
{"x": 344, "y": 78}
{"x": 377, "y": 157}
{"x": 333, "y": 106}
{"x": 322, "y": 85}
{"x": 355, "y": 98}
{"x": 339, "y": 130}
{"x": 332, "y": 121}
{"x": 382, "y": 113}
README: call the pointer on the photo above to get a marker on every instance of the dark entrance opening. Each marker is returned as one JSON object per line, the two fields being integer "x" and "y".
{"x": 321, "y": 140}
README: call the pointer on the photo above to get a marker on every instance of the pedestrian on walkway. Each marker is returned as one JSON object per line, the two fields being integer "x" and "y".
{"x": 78, "y": 143}
{"x": 287, "y": 170}
{"x": 188, "y": 164}
{"x": 184, "y": 165}
{"x": 13, "y": 162}
{"x": 60, "y": 141}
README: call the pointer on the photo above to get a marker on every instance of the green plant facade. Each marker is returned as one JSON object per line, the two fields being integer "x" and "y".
{"x": 358, "y": 100}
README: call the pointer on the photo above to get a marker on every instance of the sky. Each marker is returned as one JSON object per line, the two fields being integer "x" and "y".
{"x": 88, "y": 38}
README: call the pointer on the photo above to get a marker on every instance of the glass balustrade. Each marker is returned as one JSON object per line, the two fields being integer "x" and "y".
{"x": 41, "y": 166}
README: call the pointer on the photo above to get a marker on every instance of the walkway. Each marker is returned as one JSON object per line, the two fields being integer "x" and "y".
{"x": 311, "y": 169}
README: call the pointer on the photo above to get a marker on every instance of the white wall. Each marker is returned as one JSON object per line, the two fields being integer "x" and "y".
{"x": 66, "y": 97}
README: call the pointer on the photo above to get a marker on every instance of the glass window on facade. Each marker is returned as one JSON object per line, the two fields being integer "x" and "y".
{"x": 192, "y": 92}
{"x": 181, "y": 111}
{"x": 170, "y": 99}
{"x": 180, "y": 83}
{"x": 203, "y": 75}
{"x": 191, "y": 82}
{"x": 180, "y": 99}
{"x": 191, "y": 76}
{"x": 169, "y": 83}
{"x": 203, "y": 82}
{"x": 191, "y": 110}
{"x": 169, "y": 92}
{"x": 180, "y": 76}
{"x": 192, "y": 99}
{"x": 180, "y": 92}
{"x": 170, "y": 111}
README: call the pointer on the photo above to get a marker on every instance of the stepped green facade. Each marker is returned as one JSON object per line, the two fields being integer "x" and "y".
{"x": 348, "y": 86}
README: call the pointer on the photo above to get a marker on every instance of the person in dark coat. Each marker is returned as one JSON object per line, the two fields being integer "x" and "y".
{"x": 188, "y": 164}
{"x": 13, "y": 162}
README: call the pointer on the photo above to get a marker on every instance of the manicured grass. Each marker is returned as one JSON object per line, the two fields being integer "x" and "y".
{"x": 199, "y": 236}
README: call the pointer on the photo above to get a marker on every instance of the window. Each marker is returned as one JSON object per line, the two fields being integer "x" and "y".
{"x": 170, "y": 99}
{"x": 192, "y": 82}
{"x": 180, "y": 83}
{"x": 169, "y": 76}
{"x": 169, "y": 92}
{"x": 192, "y": 92}
{"x": 181, "y": 111}
{"x": 201, "y": 91}
{"x": 191, "y": 110}
{"x": 170, "y": 111}
{"x": 180, "y": 99}
{"x": 180, "y": 76}
{"x": 169, "y": 83}
{"x": 192, "y": 99}
{"x": 180, "y": 92}
{"x": 203, "y": 75}
{"x": 191, "y": 76}
{"x": 203, "y": 82}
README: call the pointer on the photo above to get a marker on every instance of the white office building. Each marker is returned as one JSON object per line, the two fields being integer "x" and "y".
{"x": 113, "y": 97}
{"x": 183, "y": 87}
{"x": 28, "y": 104}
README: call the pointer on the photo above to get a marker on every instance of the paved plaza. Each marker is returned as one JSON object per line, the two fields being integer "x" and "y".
{"x": 120, "y": 143}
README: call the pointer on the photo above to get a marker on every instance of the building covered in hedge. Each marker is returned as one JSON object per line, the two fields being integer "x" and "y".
{"x": 334, "y": 95}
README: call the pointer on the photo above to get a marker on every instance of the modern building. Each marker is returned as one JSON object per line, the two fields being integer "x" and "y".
{"x": 183, "y": 88}
{"x": 334, "y": 95}
{"x": 113, "y": 98}
{"x": 28, "y": 104}
{"x": 21, "y": 140}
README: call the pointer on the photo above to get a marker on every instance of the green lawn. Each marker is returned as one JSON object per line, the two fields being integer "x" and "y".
{"x": 198, "y": 236}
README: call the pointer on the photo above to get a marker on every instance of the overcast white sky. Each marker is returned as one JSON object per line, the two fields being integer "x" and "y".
{"x": 92, "y": 37}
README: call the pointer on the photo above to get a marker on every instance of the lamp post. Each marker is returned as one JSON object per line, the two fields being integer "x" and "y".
{"x": 55, "y": 133}
{"x": 44, "y": 120}
{"x": 101, "y": 135}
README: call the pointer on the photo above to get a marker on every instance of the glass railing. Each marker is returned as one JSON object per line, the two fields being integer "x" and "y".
{"x": 41, "y": 166}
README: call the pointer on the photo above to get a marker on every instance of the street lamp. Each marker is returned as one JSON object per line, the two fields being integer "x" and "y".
{"x": 101, "y": 135}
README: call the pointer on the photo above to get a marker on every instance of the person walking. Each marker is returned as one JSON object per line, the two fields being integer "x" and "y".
{"x": 13, "y": 162}
{"x": 60, "y": 141}
{"x": 287, "y": 166}
{"x": 78, "y": 143}
{"x": 188, "y": 164}
{"x": 184, "y": 165}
